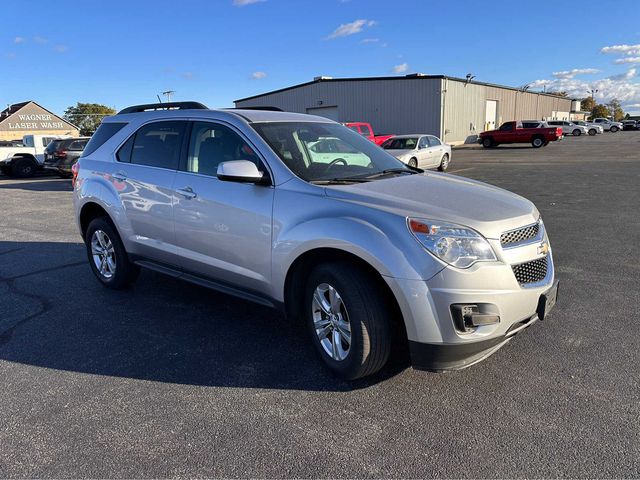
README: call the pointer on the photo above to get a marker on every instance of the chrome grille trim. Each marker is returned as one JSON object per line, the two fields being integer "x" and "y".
{"x": 531, "y": 272}
{"x": 523, "y": 235}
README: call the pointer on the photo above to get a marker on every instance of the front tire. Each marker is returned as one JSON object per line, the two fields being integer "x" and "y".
{"x": 108, "y": 258}
{"x": 349, "y": 320}
{"x": 614, "y": 129}
{"x": 487, "y": 142}
{"x": 444, "y": 163}
{"x": 592, "y": 132}
{"x": 413, "y": 163}
{"x": 577, "y": 133}
{"x": 537, "y": 142}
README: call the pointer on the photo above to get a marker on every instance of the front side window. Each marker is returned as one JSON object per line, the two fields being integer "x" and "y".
{"x": 28, "y": 141}
{"x": 365, "y": 130}
{"x": 158, "y": 144}
{"x": 211, "y": 144}
{"x": 507, "y": 127}
{"x": 320, "y": 152}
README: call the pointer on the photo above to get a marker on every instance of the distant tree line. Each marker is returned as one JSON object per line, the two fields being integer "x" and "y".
{"x": 600, "y": 110}
{"x": 87, "y": 116}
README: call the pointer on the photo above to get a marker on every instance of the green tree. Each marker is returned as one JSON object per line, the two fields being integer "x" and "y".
{"x": 616, "y": 109}
{"x": 600, "y": 111}
{"x": 587, "y": 104}
{"x": 87, "y": 116}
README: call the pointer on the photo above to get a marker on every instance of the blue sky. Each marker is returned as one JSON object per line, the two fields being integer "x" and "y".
{"x": 126, "y": 52}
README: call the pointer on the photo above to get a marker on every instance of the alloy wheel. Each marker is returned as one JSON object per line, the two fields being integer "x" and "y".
{"x": 103, "y": 254}
{"x": 331, "y": 322}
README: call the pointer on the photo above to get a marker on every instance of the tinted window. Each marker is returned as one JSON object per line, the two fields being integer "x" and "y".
{"x": 124, "y": 154}
{"x": 433, "y": 141}
{"x": 400, "y": 143}
{"x": 507, "y": 127}
{"x": 365, "y": 130}
{"x": 104, "y": 132}
{"x": 77, "y": 145}
{"x": 212, "y": 144}
{"x": 158, "y": 145}
{"x": 530, "y": 124}
{"x": 354, "y": 128}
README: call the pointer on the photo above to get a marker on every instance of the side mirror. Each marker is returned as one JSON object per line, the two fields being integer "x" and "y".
{"x": 242, "y": 171}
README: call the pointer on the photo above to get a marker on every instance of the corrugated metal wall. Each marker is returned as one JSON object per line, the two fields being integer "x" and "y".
{"x": 398, "y": 106}
{"x": 414, "y": 105}
{"x": 465, "y": 108}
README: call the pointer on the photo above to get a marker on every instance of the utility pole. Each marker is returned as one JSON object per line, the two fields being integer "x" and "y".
{"x": 169, "y": 95}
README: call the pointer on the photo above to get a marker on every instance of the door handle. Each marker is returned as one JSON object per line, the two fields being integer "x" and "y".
{"x": 119, "y": 176}
{"x": 187, "y": 192}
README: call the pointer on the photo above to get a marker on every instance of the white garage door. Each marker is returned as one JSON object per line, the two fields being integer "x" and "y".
{"x": 327, "y": 112}
{"x": 491, "y": 116}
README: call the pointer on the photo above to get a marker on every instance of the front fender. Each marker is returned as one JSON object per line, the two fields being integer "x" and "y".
{"x": 379, "y": 238}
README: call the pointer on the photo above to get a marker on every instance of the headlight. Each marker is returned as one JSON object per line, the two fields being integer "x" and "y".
{"x": 454, "y": 244}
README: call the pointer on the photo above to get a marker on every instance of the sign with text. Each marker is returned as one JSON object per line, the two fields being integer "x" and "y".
{"x": 32, "y": 117}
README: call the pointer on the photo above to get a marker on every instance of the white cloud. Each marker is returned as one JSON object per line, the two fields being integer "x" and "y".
{"x": 621, "y": 61}
{"x": 258, "y": 75}
{"x": 187, "y": 75}
{"x": 628, "y": 75}
{"x": 40, "y": 40}
{"x": 242, "y": 3}
{"x": 18, "y": 40}
{"x": 402, "y": 68}
{"x": 61, "y": 48}
{"x": 352, "y": 28}
{"x": 370, "y": 40}
{"x": 622, "y": 49}
{"x": 633, "y": 105}
{"x": 622, "y": 86}
{"x": 574, "y": 72}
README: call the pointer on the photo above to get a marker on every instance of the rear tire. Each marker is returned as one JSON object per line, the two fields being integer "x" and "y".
{"x": 444, "y": 163}
{"x": 413, "y": 163}
{"x": 23, "y": 168}
{"x": 340, "y": 297}
{"x": 112, "y": 267}
{"x": 537, "y": 142}
{"x": 614, "y": 129}
{"x": 576, "y": 133}
{"x": 592, "y": 132}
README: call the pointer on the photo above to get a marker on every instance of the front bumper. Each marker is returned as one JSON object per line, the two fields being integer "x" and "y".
{"x": 436, "y": 340}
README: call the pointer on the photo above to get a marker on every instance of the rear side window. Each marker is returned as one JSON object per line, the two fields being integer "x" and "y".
{"x": 104, "y": 132}
{"x": 158, "y": 144}
{"x": 434, "y": 141}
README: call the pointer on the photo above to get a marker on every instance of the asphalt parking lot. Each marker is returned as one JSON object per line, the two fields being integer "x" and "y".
{"x": 171, "y": 380}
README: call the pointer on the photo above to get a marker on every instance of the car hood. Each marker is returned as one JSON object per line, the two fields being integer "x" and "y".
{"x": 489, "y": 210}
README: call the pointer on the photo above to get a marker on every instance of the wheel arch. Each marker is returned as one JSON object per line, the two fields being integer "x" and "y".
{"x": 302, "y": 266}
{"x": 90, "y": 211}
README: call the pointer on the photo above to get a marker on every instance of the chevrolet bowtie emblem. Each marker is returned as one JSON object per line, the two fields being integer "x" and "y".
{"x": 543, "y": 248}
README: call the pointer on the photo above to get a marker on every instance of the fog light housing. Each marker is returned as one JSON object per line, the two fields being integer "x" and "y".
{"x": 468, "y": 316}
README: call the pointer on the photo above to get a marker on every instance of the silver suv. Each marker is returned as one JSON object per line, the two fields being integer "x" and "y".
{"x": 362, "y": 248}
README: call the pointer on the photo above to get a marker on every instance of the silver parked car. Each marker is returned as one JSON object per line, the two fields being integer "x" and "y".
{"x": 593, "y": 128}
{"x": 424, "y": 151}
{"x": 368, "y": 254}
{"x": 608, "y": 125}
{"x": 568, "y": 128}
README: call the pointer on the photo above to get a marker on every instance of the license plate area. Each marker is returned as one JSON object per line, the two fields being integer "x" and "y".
{"x": 547, "y": 301}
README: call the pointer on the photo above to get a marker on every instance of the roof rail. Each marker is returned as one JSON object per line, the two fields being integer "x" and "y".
{"x": 265, "y": 108}
{"x": 163, "y": 106}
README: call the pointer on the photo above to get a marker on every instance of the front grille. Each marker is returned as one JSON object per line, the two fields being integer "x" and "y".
{"x": 531, "y": 272}
{"x": 520, "y": 235}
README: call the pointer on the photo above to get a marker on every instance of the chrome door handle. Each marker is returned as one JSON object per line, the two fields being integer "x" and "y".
{"x": 119, "y": 176}
{"x": 187, "y": 192}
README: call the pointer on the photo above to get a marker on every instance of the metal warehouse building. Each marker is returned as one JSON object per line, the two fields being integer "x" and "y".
{"x": 454, "y": 109}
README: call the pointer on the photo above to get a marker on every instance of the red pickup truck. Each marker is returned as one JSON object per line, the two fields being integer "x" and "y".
{"x": 516, "y": 132}
{"x": 364, "y": 129}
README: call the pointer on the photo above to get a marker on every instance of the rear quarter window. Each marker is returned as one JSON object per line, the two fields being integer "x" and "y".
{"x": 104, "y": 132}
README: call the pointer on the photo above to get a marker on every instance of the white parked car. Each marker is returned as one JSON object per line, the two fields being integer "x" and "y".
{"x": 568, "y": 128}
{"x": 608, "y": 125}
{"x": 424, "y": 151}
{"x": 23, "y": 161}
{"x": 593, "y": 128}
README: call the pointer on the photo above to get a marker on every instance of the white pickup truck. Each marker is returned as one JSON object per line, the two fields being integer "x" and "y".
{"x": 26, "y": 160}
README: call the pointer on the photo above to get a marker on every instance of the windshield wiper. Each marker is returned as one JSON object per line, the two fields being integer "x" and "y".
{"x": 389, "y": 171}
{"x": 338, "y": 181}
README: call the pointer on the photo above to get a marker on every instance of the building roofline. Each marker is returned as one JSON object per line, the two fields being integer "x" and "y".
{"x": 413, "y": 76}
{"x": 24, "y": 104}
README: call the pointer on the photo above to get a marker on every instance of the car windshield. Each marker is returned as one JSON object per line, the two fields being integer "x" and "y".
{"x": 405, "y": 143}
{"x": 328, "y": 152}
